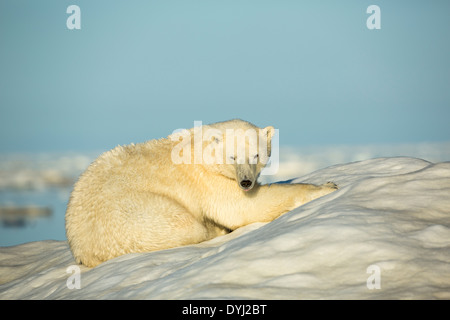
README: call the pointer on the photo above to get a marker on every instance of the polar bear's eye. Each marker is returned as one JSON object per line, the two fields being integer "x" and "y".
{"x": 256, "y": 156}
{"x": 233, "y": 158}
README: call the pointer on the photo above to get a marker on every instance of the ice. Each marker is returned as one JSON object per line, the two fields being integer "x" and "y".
{"x": 385, "y": 234}
{"x": 43, "y": 170}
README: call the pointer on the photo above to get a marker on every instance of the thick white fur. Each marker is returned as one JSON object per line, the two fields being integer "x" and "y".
{"x": 135, "y": 199}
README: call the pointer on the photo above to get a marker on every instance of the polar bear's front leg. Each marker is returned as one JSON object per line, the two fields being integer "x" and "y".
{"x": 313, "y": 192}
{"x": 266, "y": 203}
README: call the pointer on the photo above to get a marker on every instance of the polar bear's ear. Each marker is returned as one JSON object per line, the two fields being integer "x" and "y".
{"x": 269, "y": 131}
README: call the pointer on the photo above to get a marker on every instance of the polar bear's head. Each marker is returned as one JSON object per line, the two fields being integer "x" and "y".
{"x": 237, "y": 149}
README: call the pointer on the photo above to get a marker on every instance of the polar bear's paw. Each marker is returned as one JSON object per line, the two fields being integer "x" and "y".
{"x": 331, "y": 185}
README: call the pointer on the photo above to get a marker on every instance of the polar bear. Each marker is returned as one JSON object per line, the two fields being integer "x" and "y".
{"x": 192, "y": 186}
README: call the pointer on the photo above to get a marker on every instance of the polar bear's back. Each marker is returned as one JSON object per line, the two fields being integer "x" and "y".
{"x": 110, "y": 208}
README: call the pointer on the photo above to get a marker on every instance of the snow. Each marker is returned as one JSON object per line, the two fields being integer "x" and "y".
{"x": 385, "y": 234}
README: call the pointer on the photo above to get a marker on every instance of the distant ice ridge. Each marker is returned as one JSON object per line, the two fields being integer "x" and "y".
{"x": 45, "y": 170}
{"x": 298, "y": 161}
{"x": 385, "y": 234}
{"x": 42, "y": 170}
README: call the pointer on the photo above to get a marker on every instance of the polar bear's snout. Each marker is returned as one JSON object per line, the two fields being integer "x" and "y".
{"x": 246, "y": 176}
{"x": 246, "y": 184}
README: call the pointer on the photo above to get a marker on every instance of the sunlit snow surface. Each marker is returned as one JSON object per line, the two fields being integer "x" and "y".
{"x": 391, "y": 214}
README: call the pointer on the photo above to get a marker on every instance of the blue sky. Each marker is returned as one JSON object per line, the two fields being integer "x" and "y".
{"x": 137, "y": 70}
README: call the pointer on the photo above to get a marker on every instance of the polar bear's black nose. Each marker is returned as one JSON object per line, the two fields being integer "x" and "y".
{"x": 246, "y": 184}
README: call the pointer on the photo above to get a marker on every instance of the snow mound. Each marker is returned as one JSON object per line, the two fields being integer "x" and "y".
{"x": 384, "y": 234}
